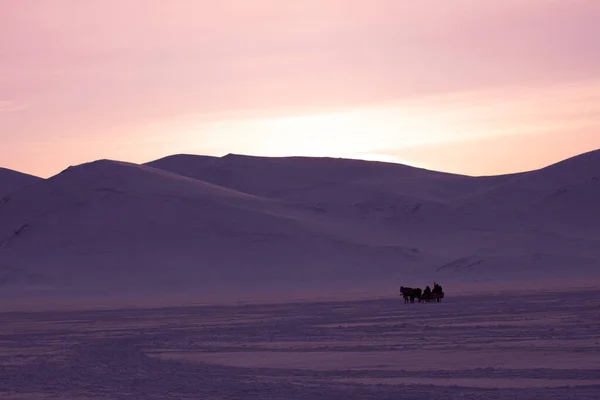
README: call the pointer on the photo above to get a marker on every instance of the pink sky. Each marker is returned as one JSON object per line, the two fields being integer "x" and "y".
{"x": 469, "y": 86}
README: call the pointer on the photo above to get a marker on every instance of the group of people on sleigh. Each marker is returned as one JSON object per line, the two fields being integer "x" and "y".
{"x": 437, "y": 290}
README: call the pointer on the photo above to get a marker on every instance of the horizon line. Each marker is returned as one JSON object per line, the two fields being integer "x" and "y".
{"x": 365, "y": 160}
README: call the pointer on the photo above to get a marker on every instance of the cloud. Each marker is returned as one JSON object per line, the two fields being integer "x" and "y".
{"x": 11, "y": 106}
{"x": 504, "y": 131}
{"x": 503, "y": 111}
{"x": 153, "y": 58}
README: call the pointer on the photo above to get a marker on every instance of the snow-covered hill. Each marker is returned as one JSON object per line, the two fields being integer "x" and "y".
{"x": 563, "y": 198}
{"x": 195, "y": 223}
{"x": 111, "y": 224}
{"x": 12, "y": 180}
{"x": 281, "y": 177}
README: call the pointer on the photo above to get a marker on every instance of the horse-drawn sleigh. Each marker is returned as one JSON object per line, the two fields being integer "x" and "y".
{"x": 428, "y": 295}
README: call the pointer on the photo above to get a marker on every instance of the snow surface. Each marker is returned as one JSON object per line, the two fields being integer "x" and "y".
{"x": 277, "y": 278}
{"x": 494, "y": 346}
{"x": 205, "y": 225}
{"x": 12, "y": 180}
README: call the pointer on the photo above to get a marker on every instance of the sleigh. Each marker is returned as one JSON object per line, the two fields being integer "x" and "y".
{"x": 429, "y": 297}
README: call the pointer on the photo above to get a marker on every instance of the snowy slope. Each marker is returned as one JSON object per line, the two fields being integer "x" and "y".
{"x": 120, "y": 225}
{"x": 277, "y": 177}
{"x": 386, "y": 199}
{"x": 193, "y": 223}
{"x": 12, "y": 180}
{"x": 497, "y": 225}
{"x": 561, "y": 198}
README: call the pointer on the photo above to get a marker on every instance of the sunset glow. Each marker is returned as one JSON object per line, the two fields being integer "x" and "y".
{"x": 462, "y": 86}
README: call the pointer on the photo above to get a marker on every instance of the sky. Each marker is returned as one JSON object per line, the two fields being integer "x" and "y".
{"x": 466, "y": 86}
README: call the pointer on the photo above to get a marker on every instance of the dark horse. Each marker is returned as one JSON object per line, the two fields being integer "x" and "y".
{"x": 410, "y": 294}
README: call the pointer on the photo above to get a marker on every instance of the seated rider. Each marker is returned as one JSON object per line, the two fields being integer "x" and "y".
{"x": 427, "y": 290}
